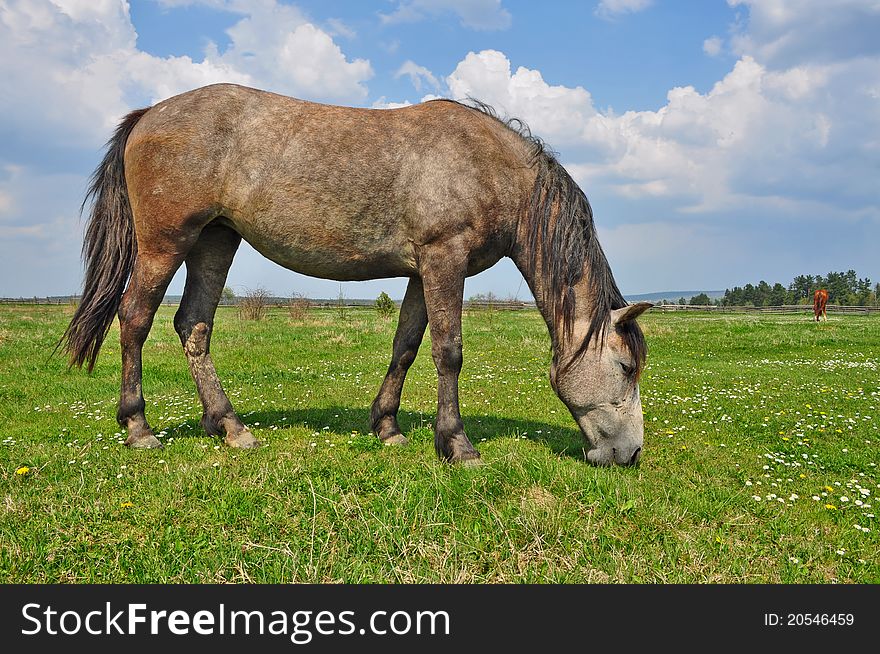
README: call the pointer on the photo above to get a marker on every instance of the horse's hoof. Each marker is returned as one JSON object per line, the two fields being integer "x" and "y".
{"x": 396, "y": 439}
{"x": 466, "y": 457}
{"x": 243, "y": 440}
{"x": 143, "y": 442}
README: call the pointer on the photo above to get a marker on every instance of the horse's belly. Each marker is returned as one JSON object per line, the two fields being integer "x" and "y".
{"x": 317, "y": 253}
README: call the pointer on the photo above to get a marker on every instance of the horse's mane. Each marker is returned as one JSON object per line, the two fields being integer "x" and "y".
{"x": 560, "y": 239}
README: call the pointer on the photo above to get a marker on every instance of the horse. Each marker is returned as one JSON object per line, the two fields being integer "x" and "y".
{"x": 820, "y": 300}
{"x": 433, "y": 192}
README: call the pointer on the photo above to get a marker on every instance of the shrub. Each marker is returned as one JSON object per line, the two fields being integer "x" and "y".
{"x": 298, "y": 306}
{"x": 385, "y": 305}
{"x": 254, "y": 304}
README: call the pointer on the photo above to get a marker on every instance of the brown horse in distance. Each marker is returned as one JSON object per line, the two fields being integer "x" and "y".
{"x": 820, "y": 300}
{"x": 434, "y": 192}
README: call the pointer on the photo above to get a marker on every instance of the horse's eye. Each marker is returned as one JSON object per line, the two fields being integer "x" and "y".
{"x": 627, "y": 370}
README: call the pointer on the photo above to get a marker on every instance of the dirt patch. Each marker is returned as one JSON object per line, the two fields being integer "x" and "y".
{"x": 538, "y": 498}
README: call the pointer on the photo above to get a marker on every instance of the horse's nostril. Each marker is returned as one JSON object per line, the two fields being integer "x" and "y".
{"x": 635, "y": 457}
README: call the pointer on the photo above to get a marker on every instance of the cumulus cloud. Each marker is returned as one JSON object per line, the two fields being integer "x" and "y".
{"x": 275, "y": 44}
{"x": 552, "y": 111}
{"x": 785, "y": 138}
{"x": 416, "y": 74}
{"x": 785, "y": 33}
{"x": 383, "y": 103}
{"x": 72, "y": 67}
{"x": 474, "y": 14}
{"x": 609, "y": 9}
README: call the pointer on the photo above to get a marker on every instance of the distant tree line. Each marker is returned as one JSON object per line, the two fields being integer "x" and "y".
{"x": 843, "y": 289}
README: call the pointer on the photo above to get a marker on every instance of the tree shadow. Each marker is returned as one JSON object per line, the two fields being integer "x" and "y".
{"x": 345, "y": 420}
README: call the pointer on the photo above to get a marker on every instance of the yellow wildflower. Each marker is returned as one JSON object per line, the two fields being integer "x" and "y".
{"x": 22, "y": 471}
{"x": 126, "y": 505}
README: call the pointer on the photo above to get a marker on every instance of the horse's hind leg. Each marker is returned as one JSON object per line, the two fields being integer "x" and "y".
{"x": 207, "y": 265}
{"x": 410, "y": 330}
{"x": 443, "y": 281}
{"x": 150, "y": 277}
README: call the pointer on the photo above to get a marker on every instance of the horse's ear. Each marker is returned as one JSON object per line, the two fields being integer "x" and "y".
{"x": 629, "y": 312}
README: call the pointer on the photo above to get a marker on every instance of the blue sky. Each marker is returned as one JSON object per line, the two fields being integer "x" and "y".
{"x": 720, "y": 142}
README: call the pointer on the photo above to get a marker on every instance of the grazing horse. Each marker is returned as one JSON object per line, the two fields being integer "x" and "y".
{"x": 435, "y": 192}
{"x": 820, "y": 300}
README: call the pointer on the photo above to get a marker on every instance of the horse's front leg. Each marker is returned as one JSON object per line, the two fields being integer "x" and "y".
{"x": 410, "y": 330}
{"x": 443, "y": 283}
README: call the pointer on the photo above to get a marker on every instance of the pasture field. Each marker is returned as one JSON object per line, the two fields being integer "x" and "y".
{"x": 760, "y": 459}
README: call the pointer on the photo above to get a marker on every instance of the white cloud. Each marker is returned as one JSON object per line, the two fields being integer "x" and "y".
{"x": 275, "y": 45}
{"x": 339, "y": 27}
{"x": 71, "y": 68}
{"x": 712, "y": 46}
{"x": 382, "y": 103}
{"x": 475, "y": 14}
{"x": 551, "y": 111}
{"x": 613, "y": 8}
{"x": 416, "y": 74}
{"x": 784, "y": 33}
{"x": 779, "y": 138}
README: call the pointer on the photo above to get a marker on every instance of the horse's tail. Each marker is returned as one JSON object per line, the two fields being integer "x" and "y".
{"x": 109, "y": 251}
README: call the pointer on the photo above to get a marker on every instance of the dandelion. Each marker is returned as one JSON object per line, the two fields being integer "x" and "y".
{"x": 22, "y": 471}
{"x": 830, "y": 507}
{"x": 126, "y": 505}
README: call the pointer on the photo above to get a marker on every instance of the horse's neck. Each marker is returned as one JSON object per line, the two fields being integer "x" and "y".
{"x": 539, "y": 287}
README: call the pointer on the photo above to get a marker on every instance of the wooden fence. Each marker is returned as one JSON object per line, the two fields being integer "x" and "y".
{"x": 786, "y": 308}
{"x": 498, "y": 305}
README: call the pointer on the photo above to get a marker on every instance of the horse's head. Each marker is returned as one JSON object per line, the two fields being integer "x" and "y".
{"x": 600, "y": 386}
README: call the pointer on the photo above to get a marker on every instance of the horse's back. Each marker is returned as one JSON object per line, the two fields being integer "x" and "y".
{"x": 331, "y": 191}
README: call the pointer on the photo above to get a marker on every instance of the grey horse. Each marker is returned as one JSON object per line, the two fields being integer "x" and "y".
{"x": 434, "y": 192}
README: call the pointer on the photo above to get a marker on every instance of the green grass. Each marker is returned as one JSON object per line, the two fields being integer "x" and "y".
{"x": 736, "y": 407}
